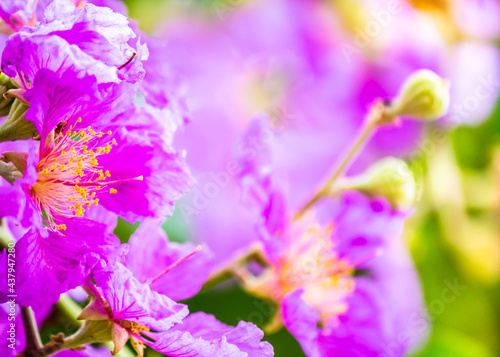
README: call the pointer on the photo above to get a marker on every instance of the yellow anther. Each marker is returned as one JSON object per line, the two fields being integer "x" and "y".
{"x": 112, "y": 190}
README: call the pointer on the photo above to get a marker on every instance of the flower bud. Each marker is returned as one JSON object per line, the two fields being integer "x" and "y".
{"x": 424, "y": 95}
{"x": 389, "y": 177}
{"x": 15, "y": 127}
{"x": 5, "y": 103}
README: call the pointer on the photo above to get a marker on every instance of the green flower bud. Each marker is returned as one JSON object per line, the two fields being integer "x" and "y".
{"x": 424, "y": 95}
{"x": 5, "y": 103}
{"x": 389, "y": 177}
{"x": 15, "y": 127}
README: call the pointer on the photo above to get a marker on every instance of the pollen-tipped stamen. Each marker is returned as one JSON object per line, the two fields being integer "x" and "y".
{"x": 70, "y": 176}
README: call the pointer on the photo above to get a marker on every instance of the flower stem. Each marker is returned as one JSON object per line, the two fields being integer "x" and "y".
{"x": 373, "y": 120}
{"x": 69, "y": 308}
{"x": 33, "y": 340}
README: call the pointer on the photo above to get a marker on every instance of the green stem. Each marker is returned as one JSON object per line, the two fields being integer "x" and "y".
{"x": 68, "y": 307}
{"x": 33, "y": 340}
{"x": 373, "y": 120}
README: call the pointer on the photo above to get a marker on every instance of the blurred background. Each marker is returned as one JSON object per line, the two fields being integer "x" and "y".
{"x": 318, "y": 65}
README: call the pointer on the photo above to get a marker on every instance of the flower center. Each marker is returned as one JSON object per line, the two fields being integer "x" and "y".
{"x": 70, "y": 178}
{"x": 134, "y": 327}
{"x": 310, "y": 262}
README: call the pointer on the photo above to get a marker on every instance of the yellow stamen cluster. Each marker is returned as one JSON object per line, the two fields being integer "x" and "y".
{"x": 138, "y": 344}
{"x": 311, "y": 262}
{"x": 70, "y": 176}
{"x": 134, "y": 327}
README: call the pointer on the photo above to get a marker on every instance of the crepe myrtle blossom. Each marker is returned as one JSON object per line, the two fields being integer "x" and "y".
{"x": 90, "y": 39}
{"x": 338, "y": 281}
{"x": 130, "y": 301}
{"x": 336, "y": 271}
{"x": 127, "y": 167}
{"x": 123, "y": 308}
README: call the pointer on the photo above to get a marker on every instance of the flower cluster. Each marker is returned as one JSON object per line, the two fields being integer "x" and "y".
{"x": 90, "y": 112}
{"x": 78, "y": 150}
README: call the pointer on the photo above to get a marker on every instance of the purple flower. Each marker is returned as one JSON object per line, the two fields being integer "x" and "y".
{"x": 129, "y": 168}
{"x": 93, "y": 40}
{"x": 339, "y": 273}
{"x": 134, "y": 300}
{"x": 373, "y": 304}
{"x": 48, "y": 264}
{"x": 147, "y": 317}
{"x": 346, "y": 286}
{"x": 130, "y": 307}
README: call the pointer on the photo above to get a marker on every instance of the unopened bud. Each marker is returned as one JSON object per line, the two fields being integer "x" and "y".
{"x": 5, "y": 103}
{"x": 389, "y": 177}
{"x": 424, "y": 95}
{"x": 15, "y": 127}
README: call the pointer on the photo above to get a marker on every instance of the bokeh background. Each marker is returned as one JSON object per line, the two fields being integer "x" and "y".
{"x": 454, "y": 235}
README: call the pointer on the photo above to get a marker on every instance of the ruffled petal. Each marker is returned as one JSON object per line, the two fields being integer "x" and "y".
{"x": 362, "y": 226}
{"x": 133, "y": 301}
{"x": 201, "y": 335}
{"x": 51, "y": 264}
{"x": 56, "y": 97}
{"x": 165, "y": 176}
{"x": 92, "y": 39}
{"x": 151, "y": 253}
{"x": 301, "y": 320}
